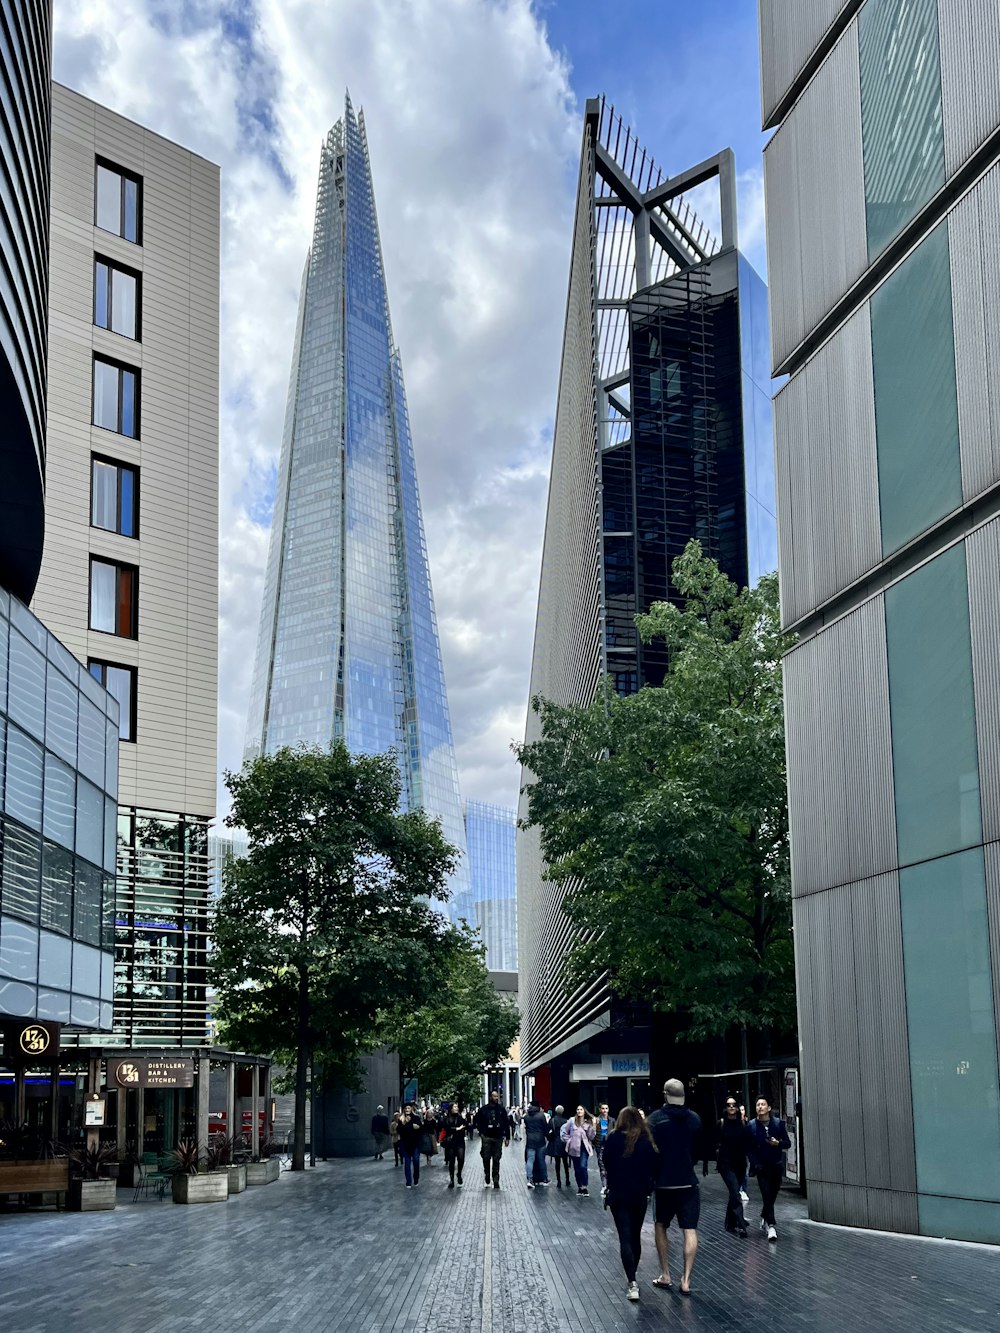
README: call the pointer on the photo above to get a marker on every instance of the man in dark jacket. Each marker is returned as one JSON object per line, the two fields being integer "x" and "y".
{"x": 677, "y": 1134}
{"x": 380, "y": 1132}
{"x": 767, "y": 1140}
{"x": 455, "y": 1126}
{"x": 493, "y": 1124}
{"x": 556, "y": 1148}
{"x": 536, "y": 1133}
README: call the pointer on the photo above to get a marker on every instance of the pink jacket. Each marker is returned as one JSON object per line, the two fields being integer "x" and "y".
{"x": 577, "y": 1137}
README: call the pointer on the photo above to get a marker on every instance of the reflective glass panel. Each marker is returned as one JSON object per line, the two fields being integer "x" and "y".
{"x": 105, "y": 395}
{"x": 103, "y": 596}
{"x": 128, "y": 423}
{"x": 23, "y": 794}
{"x": 101, "y": 286}
{"x": 131, "y": 232}
{"x": 87, "y": 904}
{"x": 949, "y": 1014}
{"x": 123, "y": 303}
{"x": 127, "y": 524}
{"x": 26, "y": 703}
{"x": 22, "y": 871}
{"x": 89, "y": 822}
{"x": 104, "y": 495}
{"x": 916, "y": 404}
{"x": 901, "y": 122}
{"x": 59, "y": 817}
{"x": 118, "y": 683}
{"x": 934, "y": 753}
{"x": 61, "y": 704}
{"x": 109, "y": 200}
{"x": 57, "y": 888}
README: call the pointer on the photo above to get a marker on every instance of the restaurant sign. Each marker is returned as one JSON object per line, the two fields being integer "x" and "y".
{"x": 26, "y": 1040}
{"x": 166, "y": 1071}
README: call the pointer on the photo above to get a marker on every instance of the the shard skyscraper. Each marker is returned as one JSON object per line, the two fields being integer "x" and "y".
{"x": 348, "y": 643}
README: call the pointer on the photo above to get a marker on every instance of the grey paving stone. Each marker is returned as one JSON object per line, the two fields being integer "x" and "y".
{"x": 345, "y": 1247}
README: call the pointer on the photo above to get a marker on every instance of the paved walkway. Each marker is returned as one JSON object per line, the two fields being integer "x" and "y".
{"x": 345, "y": 1248}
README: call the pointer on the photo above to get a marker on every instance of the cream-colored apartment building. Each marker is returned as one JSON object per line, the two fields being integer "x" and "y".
{"x": 129, "y": 578}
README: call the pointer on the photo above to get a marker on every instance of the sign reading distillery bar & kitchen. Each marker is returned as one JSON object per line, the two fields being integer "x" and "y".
{"x": 166, "y": 1071}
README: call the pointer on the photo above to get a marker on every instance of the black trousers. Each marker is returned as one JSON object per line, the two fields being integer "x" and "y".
{"x": 734, "y": 1208}
{"x": 629, "y": 1216}
{"x": 455, "y": 1152}
{"x": 491, "y": 1150}
{"x": 769, "y": 1180}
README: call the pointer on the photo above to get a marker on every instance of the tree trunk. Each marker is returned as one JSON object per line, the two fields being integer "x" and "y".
{"x": 301, "y": 1075}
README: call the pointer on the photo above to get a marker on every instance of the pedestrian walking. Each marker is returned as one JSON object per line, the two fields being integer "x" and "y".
{"x": 630, "y": 1160}
{"x": 455, "y": 1126}
{"x": 731, "y": 1163}
{"x": 677, "y": 1134}
{"x": 603, "y": 1125}
{"x": 429, "y": 1142}
{"x": 411, "y": 1132}
{"x": 493, "y": 1124}
{"x": 536, "y": 1133}
{"x": 380, "y": 1132}
{"x": 768, "y": 1142}
{"x": 557, "y": 1149}
{"x": 394, "y": 1135}
{"x": 516, "y": 1117}
{"x": 578, "y": 1135}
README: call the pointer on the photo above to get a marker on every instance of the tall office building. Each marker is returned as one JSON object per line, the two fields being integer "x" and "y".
{"x": 883, "y": 208}
{"x": 348, "y": 644}
{"x": 491, "y": 903}
{"x": 58, "y": 726}
{"x": 662, "y": 433}
{"x": 129, "y": 575}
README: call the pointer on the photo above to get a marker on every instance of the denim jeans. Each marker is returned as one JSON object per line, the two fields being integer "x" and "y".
{"x": 411, "y": 1162}
{"x": 580, "y": 1170}
{"x": 531, "y": 1156}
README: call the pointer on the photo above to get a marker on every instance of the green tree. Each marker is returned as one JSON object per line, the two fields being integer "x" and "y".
{"x": 326, "y": 924}
{"x": 461, "y": 1026}
{"x": 664, "y": 815}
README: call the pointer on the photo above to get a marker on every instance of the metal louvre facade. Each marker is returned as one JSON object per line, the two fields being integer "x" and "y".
{"x": 662, "y": 433}
{"x": 348, "y": 644}
{"x": 888, "y": 464}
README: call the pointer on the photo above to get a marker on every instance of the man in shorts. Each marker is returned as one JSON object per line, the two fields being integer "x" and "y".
{"x": 677, "y": 1134}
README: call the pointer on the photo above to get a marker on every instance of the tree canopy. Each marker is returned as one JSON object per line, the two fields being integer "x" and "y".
{"x": 327, "y": 924}
{"x": 663, "y": 814}
{"x": 459, "y": 1026}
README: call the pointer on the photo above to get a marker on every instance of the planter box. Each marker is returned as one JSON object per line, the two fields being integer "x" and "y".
{"x": 237, "y": 1179}
{"x": 92, "y": 1196}
{"x": 35, "y": 1177}
{"x": 263, "y": 1173}
{"x": 209, "y": 1187}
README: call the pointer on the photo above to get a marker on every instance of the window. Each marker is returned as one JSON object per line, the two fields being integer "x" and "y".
{"x": 114, "y": 598}
{"x": 116, "y": 398}
{"x": 119, "y": 681}
{"x": 116, "y": 298}
{"x": 118, "y": 201}
{"x": 114, "y": 497}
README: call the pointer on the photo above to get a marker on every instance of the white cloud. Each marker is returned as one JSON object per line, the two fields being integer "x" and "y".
{"x": 473, "y": 137}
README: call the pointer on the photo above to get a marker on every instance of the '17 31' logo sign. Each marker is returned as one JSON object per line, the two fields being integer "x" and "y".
{"x": 34, "y": 1040}
{"x": 127, "y": 1074}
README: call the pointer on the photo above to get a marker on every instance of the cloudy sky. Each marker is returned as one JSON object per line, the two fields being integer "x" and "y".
{"x": 473, "y": 110}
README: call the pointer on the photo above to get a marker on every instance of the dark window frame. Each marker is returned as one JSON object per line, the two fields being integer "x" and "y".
{"x": 125, "y": 175}
{"x": 121, "y": 567}
{"x": 122, "y": 367}
{"x": 102, "y": 680}
{"x": 114, "y": 267}
{"x": 119, "y": 465}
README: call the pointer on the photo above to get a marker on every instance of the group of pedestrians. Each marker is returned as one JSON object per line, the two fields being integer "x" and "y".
{"x": 637, "y": 1157}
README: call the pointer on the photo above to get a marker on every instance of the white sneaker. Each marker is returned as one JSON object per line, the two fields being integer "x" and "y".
{"x": 530, "y": 1186}
{"x": 772, "y": 1233}
{"x": 744, "y": 1197}
{"x": 633, "y": 1291}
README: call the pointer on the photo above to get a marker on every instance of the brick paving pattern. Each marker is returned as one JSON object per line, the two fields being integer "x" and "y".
{"x": 345, "y": 1248}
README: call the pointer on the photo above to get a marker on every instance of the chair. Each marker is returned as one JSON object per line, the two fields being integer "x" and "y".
{"x": 149, "y": 1175}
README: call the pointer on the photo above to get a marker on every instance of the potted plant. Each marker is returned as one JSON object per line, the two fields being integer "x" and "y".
{"x": 266, "y": 1168}
{"x": 220, "y": 1156}
{"x": 30, "y": 1163}
{"x": 188, "y": 1183}
{"x": 91, "y": 1188}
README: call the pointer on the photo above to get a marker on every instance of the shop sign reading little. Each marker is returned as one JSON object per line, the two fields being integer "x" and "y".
{"x": 152, "y": 1072}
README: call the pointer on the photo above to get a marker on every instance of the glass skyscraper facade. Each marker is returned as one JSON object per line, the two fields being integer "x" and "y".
{"x": 662, "y": 434}
{"x": 348, "y": 645}
{"x": 491, "y": 902}
{"x": 883, "y": 206}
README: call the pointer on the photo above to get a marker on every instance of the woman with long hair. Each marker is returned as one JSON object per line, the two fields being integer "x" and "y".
{"x": 630, "y": 1163}
{"x": 578, "y": 1135}
{"x": 731, "y": 1162}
